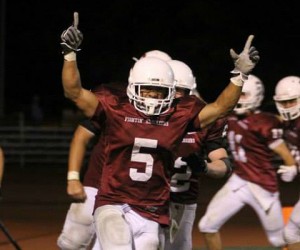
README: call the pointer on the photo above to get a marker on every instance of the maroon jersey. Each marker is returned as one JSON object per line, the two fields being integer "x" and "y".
{"x": 140, "y": 152}
{"x": 185, "y": 180}
{"x": 93, "y": 172}
{"x": 94, "y": 169}
{"x": 251, "y": 139}
{"x": 291, "y": 135}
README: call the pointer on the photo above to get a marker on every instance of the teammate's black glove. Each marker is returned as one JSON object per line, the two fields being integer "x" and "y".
{"x": 72, "y": 37}
{"x": 196, "y": 162}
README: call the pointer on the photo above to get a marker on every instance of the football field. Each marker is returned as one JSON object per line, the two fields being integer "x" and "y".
{"x": 34, "y": 205}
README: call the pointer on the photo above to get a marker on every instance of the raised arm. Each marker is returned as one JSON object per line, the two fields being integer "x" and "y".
{"x": 73, "y": 90}
{"x": 226, "y": 101}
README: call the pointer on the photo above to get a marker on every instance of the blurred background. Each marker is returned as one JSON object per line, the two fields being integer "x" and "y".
{"x": 197, "y": 32}
{"x": 37, "y": 121}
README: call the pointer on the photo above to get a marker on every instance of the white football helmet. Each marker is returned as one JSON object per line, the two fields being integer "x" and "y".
{"x": 157, "y": 54}
{"x": 288, "y": 88}
{"x": 150, "y": 71}
{"x": 183, "y": 75}
{"x": 253, "y": 91}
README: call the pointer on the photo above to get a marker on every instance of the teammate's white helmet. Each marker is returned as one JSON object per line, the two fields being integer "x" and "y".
{"x": 150, "y": 71}
{"x": 253, "y": 90}
{"x": 157, "y": 54}
{"x": 183, "y": 75}
{"x": 288, "y": 88}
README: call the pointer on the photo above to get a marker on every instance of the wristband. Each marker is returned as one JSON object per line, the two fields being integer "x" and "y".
{"x": 228, "y": 166}
{"x": 73, "y": 175}
{"x": 239, "y": 78}
{"x": 70, "y": 56}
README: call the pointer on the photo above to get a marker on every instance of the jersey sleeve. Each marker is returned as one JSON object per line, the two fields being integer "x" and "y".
{"x": 195, "y": 108}
{"x": 109, "y": 96}
{"x": 271, "y": 129}
{"x": 99, "y": 115}
{"x": 91, "y": 125}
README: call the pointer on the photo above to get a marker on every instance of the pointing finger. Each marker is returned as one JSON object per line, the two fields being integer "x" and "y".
{"x": 76, "y": 20}
{"x": 248, "y": 43}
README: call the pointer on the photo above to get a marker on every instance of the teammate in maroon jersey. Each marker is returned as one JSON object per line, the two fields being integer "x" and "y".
{"x": 287, "y": 99}
{"x": 190, "y": 165}
{"x": 254, "y": 137}
{"x": 142, "y": 131}
{"x": 79, "y": 217}
{"x": 78, "y": 230}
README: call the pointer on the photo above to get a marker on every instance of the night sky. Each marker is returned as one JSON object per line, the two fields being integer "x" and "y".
{"x": 200, "y": 33}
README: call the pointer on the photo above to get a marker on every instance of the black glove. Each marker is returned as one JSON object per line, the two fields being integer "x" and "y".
{"x": 196, "y": 162}
{"x": 72, "y": 37}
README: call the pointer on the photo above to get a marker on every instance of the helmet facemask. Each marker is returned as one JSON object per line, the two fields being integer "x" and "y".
{"x": 147, "y": 105}
{"x": 157, "y": 75}
{"x": 289, "y": 113}
{"x": 288, "y": 90}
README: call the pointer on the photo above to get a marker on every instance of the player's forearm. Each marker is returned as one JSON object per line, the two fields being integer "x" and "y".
{"x": 221, "y": 107}
{"x": 216, "y": 169}
{"x": 76, "y": 158}
{"x": 228, "y": 99}
{"x": 285, "y": 154}
{"x": 71, "y": 80}
{"x": 289, "y": 160}
{"x": 78, "y": 148}
{"x": 219, "y": 168}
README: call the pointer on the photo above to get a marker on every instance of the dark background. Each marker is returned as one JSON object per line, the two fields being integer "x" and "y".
{"x": 198, "y": 32}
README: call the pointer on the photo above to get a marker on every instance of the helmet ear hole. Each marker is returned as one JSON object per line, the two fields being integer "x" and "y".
{"x": 253, "y": 96}
{"x": 287, "y": 89}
